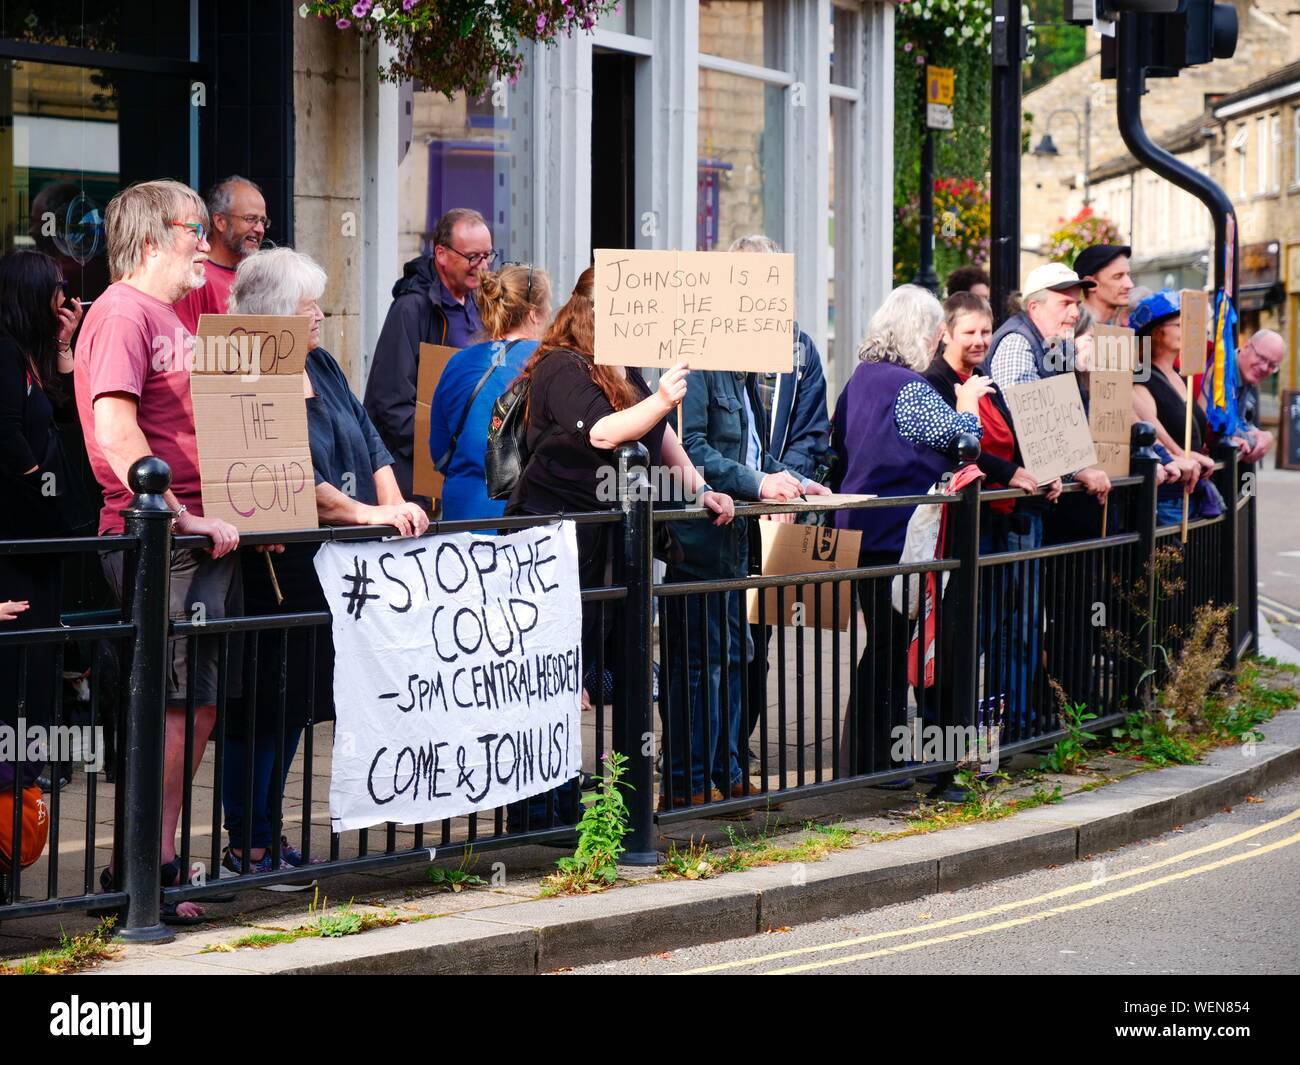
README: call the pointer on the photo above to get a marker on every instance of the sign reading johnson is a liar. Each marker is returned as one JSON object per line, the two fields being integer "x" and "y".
{"x": 250, "y": 418}
{"x": 714, "y": 310}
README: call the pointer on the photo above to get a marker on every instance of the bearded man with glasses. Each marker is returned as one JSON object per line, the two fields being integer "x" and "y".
{"x": 433, "y": 303}
{"x": 239, "y": 226}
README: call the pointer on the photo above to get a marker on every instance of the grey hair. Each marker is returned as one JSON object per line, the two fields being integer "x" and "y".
{"x": 275, "y": 281}
{"x": 755, "y": 242}
{"x": 222, "y": 194}
{"x": 1139, "y": 293}
{"x": 142, "y": 214}
{"x": 1086, "y": 320}
{"x": 1035, "y": 297}
{"x": 1266, "y": 335}
{"x": 903, "y": 329}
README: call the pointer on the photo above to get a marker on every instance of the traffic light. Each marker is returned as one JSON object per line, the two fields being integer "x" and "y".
{"x": 1195, "y": 32}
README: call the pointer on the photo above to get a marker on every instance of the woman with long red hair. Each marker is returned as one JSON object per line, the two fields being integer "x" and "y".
{"x": 578, "y": 414}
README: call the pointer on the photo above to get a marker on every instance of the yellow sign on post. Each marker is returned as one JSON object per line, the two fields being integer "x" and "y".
{"x": 938, "y": 85}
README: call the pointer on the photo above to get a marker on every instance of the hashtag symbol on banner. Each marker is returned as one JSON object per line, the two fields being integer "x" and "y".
{"x": 357, "y": 595}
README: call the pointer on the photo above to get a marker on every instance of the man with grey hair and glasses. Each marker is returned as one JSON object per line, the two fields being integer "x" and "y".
{"x": 1260, "y": 358}
{"x": 133, "y": 399}
{"x": 433, "y": 303}
{"x": 239, "y": 224}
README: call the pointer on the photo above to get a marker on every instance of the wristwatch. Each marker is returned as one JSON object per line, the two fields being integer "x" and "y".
{"x": 176, "y": 515}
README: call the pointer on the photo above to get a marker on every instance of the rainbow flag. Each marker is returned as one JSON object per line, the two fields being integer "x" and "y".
{"x": 1219, "y": 385}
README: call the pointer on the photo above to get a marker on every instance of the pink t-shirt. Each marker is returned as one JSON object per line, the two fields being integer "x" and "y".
{"x": 212, "y": 297}
{"x": 133, "y": 343}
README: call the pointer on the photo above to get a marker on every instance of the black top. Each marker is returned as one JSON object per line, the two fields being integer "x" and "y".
{"x": 343, "y": 439}
{"x": 564, "y": 474}
{"x": 1171, "y": 410}
{"x": 27, "y": 439}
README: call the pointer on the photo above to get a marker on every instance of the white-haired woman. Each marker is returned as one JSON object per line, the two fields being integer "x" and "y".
{"x": 355, "y": 485}
{"x": 894, "y": 435}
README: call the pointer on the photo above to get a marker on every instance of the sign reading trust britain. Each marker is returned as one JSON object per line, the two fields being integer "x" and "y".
{"x": 457, "y": 673}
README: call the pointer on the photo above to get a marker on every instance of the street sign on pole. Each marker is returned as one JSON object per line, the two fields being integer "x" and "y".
{"x": 938, "y": 85}
{"x": 938, "y": 116}
{"x": 938, "y": 97}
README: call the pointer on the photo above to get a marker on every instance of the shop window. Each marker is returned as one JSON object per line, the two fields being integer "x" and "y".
{"x": 741, "y": 175}
{"x": 78, "y": 136}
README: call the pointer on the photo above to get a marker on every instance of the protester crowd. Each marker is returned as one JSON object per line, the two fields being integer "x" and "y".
{"x": 931, "y": 377}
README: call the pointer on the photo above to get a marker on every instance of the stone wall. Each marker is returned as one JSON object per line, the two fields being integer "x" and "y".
{"x": 327, "y": 183}
{"x": 1052, "y": 188}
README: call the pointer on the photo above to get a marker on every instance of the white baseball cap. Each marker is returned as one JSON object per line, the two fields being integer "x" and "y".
{"x": 1054, "y": 276}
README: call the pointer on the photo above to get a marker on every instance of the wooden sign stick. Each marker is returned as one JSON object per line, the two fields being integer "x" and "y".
{"x": 1105, "y": 515}
{"x": 275, "y": 584}
{"x": 1187, "y": 450}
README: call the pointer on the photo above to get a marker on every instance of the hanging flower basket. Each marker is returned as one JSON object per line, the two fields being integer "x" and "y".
{"x": 453, "y": 46}
{"x": 1084, "y": 229}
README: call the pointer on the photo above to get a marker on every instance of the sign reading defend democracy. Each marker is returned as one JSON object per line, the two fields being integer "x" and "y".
{"x": 457, "y": 673}
{"x": 714, "y": 310}
{"x": 1051, "y": 427}
{"x": 250, "y": 421}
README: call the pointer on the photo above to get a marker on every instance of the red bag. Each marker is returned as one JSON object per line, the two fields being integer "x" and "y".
{"x": 923, "y": 637}
{"x": 35, "y": 831}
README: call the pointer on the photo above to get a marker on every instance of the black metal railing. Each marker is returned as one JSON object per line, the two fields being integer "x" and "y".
{"x": 845, "y": 697}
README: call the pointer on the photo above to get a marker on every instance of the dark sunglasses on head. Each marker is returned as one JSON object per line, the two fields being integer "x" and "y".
{"x": 528, "y": 295}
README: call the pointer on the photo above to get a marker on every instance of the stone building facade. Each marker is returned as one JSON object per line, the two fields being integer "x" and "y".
{"x": 1052, "y": 188}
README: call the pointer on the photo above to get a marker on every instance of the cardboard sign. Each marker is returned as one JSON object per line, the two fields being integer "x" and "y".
{"x": 1114, "y": 347}
{"x": 789, "y": 549}
{"x": 714, "y": 310}
{"x": 231, "y": 344}
{"x": 250, "y": 421}
{"x": 1193, "y": 316}
{"x": 457, "y": 673}
{"x": 1051, "y": 427}
{"x": 427, "y": 481}
{"x": 1110, "y": 419}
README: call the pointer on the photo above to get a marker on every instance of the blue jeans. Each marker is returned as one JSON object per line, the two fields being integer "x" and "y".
{"x": 265, "y": 788}
{"x": 1010, "y": 625}
{"x": 700, "y": 696}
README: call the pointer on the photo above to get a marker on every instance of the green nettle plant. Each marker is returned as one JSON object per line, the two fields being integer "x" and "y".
{"x": 594, "y": 865}
{"x": 452, "y": 46}
{"x": 1071, "y": 753}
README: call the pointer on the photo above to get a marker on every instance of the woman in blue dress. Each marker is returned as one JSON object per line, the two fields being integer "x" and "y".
{"x": 515, "y": 306}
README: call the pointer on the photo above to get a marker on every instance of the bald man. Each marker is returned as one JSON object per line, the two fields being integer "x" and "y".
{"x": 1260, "y": 358}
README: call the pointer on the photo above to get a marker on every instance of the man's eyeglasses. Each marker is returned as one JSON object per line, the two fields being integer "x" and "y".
{"x": 528, "y": 295}
{"x": 250, "y": 219}
{"x": 197, "y": 228}
{"x": 476, "y": 259}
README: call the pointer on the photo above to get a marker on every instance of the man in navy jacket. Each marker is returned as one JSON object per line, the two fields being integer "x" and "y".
{"x": 799, "y": 438}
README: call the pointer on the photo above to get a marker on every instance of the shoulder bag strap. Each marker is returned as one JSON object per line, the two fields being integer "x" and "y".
{"x": 497, "y": 360}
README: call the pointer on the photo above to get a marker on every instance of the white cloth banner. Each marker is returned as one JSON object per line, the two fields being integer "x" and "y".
{"x": 457, "y": 673}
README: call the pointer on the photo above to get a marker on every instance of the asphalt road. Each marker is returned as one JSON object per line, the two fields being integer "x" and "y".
{"x": 1279, "y": 551}
{"x": 1215, "y": 897}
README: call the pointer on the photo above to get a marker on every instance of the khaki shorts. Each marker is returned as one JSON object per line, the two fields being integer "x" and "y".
{"x": 216, "y": 583}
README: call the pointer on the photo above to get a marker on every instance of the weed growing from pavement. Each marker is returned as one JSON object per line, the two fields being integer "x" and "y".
{"x": 1071, "y": 753}
{"x": 457, "y": 879}
{"x": 984, "y": 803}
{"x": 698, "y": 861}
{"x": 1232, "y": 715}
{"x": 73, "y": 953}
{"x": 594, "y": 865}
{"x": 321, "y": 924}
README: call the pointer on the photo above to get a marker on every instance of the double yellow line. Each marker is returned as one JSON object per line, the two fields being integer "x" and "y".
{"x": 1006, "y": 907}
